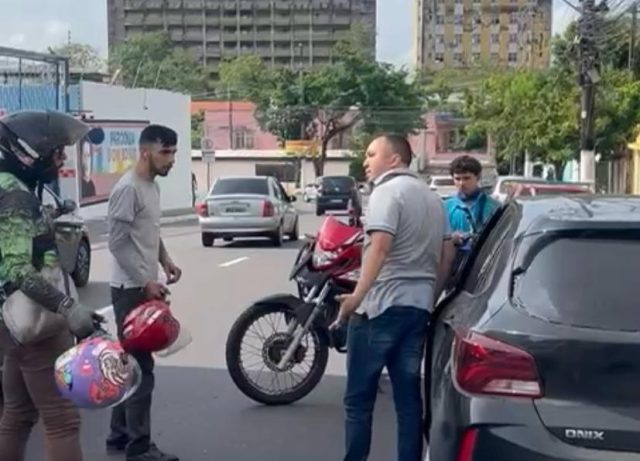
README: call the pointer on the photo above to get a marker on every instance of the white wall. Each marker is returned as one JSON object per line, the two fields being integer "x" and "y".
{"x": 157, "y": 106}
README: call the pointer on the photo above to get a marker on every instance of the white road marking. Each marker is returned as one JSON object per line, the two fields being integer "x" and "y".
{"x": 233, "y": 261}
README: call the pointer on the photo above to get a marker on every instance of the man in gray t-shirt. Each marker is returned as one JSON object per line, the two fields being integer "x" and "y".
{"x": 136, "y": 250}
{"x": 406, "y": 260}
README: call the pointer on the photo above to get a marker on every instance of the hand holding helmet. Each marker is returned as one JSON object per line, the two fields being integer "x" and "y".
{"x": 82, "y": 321}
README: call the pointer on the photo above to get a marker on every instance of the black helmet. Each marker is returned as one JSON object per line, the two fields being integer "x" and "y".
{"x": 29, "y": 139}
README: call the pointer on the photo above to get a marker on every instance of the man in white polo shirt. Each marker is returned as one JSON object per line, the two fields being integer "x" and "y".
{"x": 406, "y": 260}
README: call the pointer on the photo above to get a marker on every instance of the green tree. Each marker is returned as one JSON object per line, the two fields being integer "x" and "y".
{"x": 150, "y": 60}
{"x": 322, "y": 102}
{"x": 197, "y": 129}
{"x": 82, "y": 57}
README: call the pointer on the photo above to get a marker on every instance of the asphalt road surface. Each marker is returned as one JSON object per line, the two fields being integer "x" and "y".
{"x": 197, "y": 412}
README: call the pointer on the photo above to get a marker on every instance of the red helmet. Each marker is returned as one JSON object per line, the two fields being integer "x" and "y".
{"x": 150, "y": 327}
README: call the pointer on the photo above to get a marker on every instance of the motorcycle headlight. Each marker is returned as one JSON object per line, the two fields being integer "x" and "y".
{"x": 321, "y": 257}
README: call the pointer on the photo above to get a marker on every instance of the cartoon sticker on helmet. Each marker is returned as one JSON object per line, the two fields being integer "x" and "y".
{"x": 113, "y": 367}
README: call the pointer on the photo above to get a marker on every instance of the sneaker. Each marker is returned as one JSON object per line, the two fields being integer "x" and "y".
{"x": 153, "y": 454}
{"x": 117, "y": 444}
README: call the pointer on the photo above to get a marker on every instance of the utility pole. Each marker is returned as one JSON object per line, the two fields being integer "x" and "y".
{"x": 632, "y": 38}
{"x": 588, "y": 23}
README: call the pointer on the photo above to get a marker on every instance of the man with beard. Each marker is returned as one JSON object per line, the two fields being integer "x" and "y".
{"x": 136, "y": 248}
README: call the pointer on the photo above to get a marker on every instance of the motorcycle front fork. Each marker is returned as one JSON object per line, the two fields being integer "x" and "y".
{"x": 298, "y": 331}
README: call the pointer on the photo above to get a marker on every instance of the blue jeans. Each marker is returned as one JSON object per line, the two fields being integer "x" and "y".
{"x": 394, "y": 339}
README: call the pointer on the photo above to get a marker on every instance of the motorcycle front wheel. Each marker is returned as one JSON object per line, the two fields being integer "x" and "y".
{"x": 257, "y": 341}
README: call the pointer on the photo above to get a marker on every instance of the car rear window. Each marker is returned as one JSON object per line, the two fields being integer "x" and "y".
{"x": 241, "y": 186}
{"x": 443, "y": 182}
{"x": 584, "y": 282}
{"x": 341, "y": 182}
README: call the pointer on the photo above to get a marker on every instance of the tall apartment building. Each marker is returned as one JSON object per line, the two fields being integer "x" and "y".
{"x": 281, "y": 32}
{"x": 464, "y": 33}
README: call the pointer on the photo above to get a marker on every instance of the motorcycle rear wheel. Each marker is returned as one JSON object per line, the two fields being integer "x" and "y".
{"x": 239, "y": 375}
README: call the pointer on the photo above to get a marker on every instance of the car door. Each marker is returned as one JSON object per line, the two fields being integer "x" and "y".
{"x": 290, "y": 212}
{"x": 68, "y": 231}
{"x": 463, "y": 309}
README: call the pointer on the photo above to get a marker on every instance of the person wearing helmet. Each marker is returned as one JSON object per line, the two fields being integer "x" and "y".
{"x": 31, "y": 153}
{"x": 136, "y": 249}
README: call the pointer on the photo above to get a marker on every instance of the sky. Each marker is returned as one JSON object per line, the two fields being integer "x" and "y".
{"x": 38, "y": 24}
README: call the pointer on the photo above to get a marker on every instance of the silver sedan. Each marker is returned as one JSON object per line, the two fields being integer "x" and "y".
{"x": 247, "y": 206}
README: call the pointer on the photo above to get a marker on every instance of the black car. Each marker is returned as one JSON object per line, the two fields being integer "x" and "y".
{"x": 535, "y": 355}
{"x": 336, "y": 193}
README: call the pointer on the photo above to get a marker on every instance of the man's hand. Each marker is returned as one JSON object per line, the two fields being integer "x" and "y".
{"x": 348, "y": 305}
{"x": 155, "y": 290}
{"x": 457, "y": 238}
{"x": 173, "y": 272}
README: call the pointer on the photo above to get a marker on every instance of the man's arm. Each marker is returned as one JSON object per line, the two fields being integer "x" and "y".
{"x": 447, "y": 257}
{"x": 163, "y": 257}
{"x": 18, "y": 227}
{"x": 121, "y": 214}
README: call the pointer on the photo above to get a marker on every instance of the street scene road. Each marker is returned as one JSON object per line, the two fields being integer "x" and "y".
{"x": 198, "y": 413}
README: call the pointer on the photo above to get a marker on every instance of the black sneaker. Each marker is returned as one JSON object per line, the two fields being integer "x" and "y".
{"x": 117, "y": 444}
{"x": 153, "y": 454}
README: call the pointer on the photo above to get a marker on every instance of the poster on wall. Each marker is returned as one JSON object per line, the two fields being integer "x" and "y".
{"x": 102, "y": 164}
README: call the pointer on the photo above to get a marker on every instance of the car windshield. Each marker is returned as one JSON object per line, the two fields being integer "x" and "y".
{"x": 587, "y": 282}
{"x": 337, "y": 182}
{"x": 241, "y": 186}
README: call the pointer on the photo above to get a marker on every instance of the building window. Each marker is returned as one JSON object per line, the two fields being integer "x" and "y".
{"x": 476, "y": 57}
{"x": 495, "y": 38}
{"x": 439, "y": 19}
{"x": 513, "y": 38}
{"x": 439, "y": 57}
{"x": 513, "y": 18}
{"x": 457, "y": 40}
{"x": 243, "y": 138}
{"x": 513, "y": 58}
{"x": 458, "y": 19}
{"x": 440, "y": 39}
{"x": 457, "y": 57}
{"x": 475, "y": 39}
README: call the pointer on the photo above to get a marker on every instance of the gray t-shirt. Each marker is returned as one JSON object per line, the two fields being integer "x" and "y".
{"x": 134, "y": 231}
{"x": 402, "y": 205}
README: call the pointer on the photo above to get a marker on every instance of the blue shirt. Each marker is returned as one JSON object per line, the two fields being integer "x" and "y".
{"x": 481, "y": 209}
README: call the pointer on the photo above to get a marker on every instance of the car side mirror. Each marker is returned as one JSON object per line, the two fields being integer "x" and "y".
{"x": 68, "y": 206}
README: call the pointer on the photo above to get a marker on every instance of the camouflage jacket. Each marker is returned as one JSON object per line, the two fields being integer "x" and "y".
{"x": 27, "y": 244}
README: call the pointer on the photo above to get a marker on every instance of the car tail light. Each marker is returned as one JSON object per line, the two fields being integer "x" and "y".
{"x": 202, "y": 209}
{"x": 483, "y": 365}
{"x": 467, "y": 445}
{"x": 267, "y": 209}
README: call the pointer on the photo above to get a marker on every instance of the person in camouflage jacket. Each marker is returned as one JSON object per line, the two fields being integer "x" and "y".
{"x": 31, "y": 153}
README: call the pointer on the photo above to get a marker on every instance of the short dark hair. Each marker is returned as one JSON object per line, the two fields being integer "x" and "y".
{"x": 159, "y": 134}
{"x": 465, "y": 164}
{"x": 400, "y": 146}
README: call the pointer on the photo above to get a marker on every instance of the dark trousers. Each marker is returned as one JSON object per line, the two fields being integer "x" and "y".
{"x": 30, "y": 392}
{"x": 131, "y": 420}
{"x": 395, "y": 340}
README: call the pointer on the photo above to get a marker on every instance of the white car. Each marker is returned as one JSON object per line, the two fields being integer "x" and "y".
{"x": 504, "y": 185}
{"x": 443, "y": 185}
{"x": 248, "y": 206}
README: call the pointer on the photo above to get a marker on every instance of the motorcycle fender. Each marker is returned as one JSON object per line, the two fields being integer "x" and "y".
{"x": 296, "y": 305}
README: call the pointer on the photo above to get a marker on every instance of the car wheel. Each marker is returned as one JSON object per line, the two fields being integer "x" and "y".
{"x": 295, "y": 232}
{"x": 81, "y": 273}
{"x": 207, "y": 240}
{"x": 278, "y": 236}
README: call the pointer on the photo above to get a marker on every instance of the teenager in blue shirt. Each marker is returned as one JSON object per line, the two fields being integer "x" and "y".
{"x": 471, "y": 207}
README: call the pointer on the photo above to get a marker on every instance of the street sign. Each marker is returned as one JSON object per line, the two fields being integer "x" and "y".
{"x": 208, "y": 151}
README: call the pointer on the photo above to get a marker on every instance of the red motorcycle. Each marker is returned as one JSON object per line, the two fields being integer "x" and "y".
{"x": 277, "y": 350}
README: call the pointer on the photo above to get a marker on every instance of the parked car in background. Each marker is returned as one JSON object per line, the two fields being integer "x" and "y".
{"x": 504, "y": 184}
{"x": 72, "y": 236}
{"x": 444, "y": 186}
{"x": 536, "y": 189}
{"x": 310, "y": 192}
{"x": 533, "y": 355}
{"x": 247, "y": 206}
{"x": 335, "y": 192}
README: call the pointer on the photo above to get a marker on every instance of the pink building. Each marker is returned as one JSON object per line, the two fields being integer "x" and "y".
{"x": 232, "y": 125}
